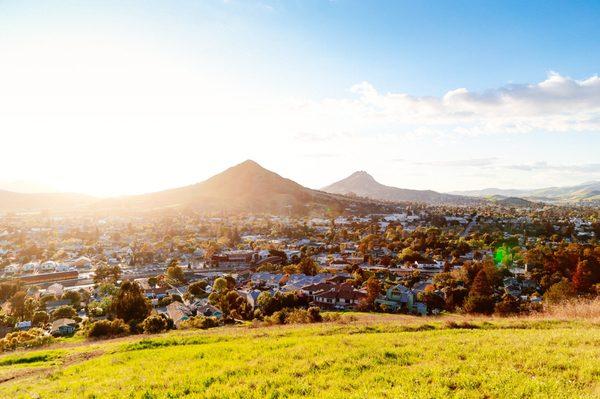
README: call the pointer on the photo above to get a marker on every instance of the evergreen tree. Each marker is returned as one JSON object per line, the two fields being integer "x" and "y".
{"x": 480, "y": 296}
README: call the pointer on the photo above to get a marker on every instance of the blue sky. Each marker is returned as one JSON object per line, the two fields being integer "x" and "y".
{"x": 442, "y": 95}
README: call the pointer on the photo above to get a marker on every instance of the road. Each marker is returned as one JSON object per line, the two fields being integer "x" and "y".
{"x": 469, "y": 227}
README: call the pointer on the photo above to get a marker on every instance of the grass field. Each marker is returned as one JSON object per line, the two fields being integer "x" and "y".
{"x": 375, "y": 356}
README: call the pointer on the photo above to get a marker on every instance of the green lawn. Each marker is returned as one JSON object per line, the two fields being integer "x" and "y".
{"x": 375, "y": 357}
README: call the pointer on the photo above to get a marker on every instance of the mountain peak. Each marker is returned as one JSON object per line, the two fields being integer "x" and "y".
{"x": 361, "y": 173}
{"x": 249, "y": 163}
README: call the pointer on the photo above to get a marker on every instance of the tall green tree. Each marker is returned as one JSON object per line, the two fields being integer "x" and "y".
{"x": 130, "y": 303}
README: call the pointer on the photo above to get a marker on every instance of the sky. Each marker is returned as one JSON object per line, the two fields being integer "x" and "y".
{"x": 123, "y": 97}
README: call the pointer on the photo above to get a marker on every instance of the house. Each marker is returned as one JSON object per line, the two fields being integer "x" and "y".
{"x": 55, "y": 289}
{"x": 400, "y": 298}
{"x": 209, "y": 310}
{"x": 340, "y": 296}
{"x": 311, "y": 289}
{"x": 53, "y": 305}
{"x": 48, "y": 266}
{"x": 30, "y": 267}
{"x": 252, "y": 297}
{"x": 23, "y": 325}
{"x": 178, "y": 312}
{"x": 12, "y": 268}
{"x": 397, "y": 298}
{"x": 63, "y": 327}
{"x": 83, "y": 262}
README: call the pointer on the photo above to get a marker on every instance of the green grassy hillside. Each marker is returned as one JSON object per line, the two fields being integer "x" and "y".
{"x": 373, "y": 357}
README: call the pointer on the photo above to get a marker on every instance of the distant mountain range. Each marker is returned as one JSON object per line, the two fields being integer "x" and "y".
{"x": 250, "y": 187}
{"x": 364, "y": 185}
{"x": 11, "y": 201}
{"x": 586, "y": 192}
{"x": 25, "y": 186}
{"x": 244, "y": 187}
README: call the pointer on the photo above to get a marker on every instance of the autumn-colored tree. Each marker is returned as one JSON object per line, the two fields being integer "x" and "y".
{"x": 374, "y": 288}
{"x": 308, "y": 266}
{"x": 583, "y": 277}
{"x": 480, "y": 295}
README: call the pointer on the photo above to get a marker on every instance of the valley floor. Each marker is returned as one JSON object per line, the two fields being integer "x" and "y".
{"x": 373, "y": 356}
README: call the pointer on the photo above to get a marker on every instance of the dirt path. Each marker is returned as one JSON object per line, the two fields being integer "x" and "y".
{"x": 46, "y": 371}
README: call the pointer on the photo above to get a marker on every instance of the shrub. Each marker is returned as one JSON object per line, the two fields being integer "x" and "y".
{"x": 31, "y": 338}
{"x": 465, "y": 325}
{"x": 295, "y": 316}
{"x": 338, "y": 317}
{"x": 559, "y": 292}
{"x": 107, "y": 329}
{"x": 479, "y": 304}
{"x": 314, "y": 314}
{"x": 154, "y": 324}
{"x": 200, "y": 322}
{"x": 507, "y": 306}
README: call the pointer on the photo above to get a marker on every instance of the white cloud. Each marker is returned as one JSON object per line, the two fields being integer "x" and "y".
{"x": 557, "y": 104}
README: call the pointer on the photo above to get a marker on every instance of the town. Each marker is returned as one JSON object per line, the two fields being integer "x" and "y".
{"x": 148, "y": 272}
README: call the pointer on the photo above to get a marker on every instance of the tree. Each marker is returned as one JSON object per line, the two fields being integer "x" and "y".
{"x": 7, "y": 290}
{"x": 74, "y": 297}
{"x": 266, "y": 303}
{"x": 29, "y": 308}
{"x": 583, "y": 277}
{"x": 308, "y": 266}
{"x": 197, "y": 288}
{"x": 130, "y": 303}
{"x": 107, "y": 274}
{"x": 225, "y": 297}
{"x": 373, "y": 291}
{"x": 152, "y": 281}
{"x": 431, "y": 299}
{"x": 175, "y": 272}
{"x": 17, "y": 304}
{"x": 64, "y": 312}
{"x": 480, "y": 295}
{"x": 107, "y": 289}
{"x": 40, "y": 318}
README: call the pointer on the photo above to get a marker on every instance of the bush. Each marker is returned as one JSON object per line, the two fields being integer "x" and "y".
{"x": 560, "y": 292}
{"x": 465, "y": 325}
{"x": 314, "y": 314}
{"x": 154, "y": 324}
{"x": 338, "y": 317}
{"x": 31, "y": 338}
{"x": 479, "y": 304}
{"x": 200, "y": 322}
{"x": 507, "y": 306}
{"x": 295, "y": 316}
{"x": 107, "y": 329}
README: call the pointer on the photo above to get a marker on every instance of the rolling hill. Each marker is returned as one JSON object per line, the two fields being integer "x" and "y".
{"x": 364, "y": 185}
{"x": 585, "y": 192}
{"x": 361, "y": 356}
